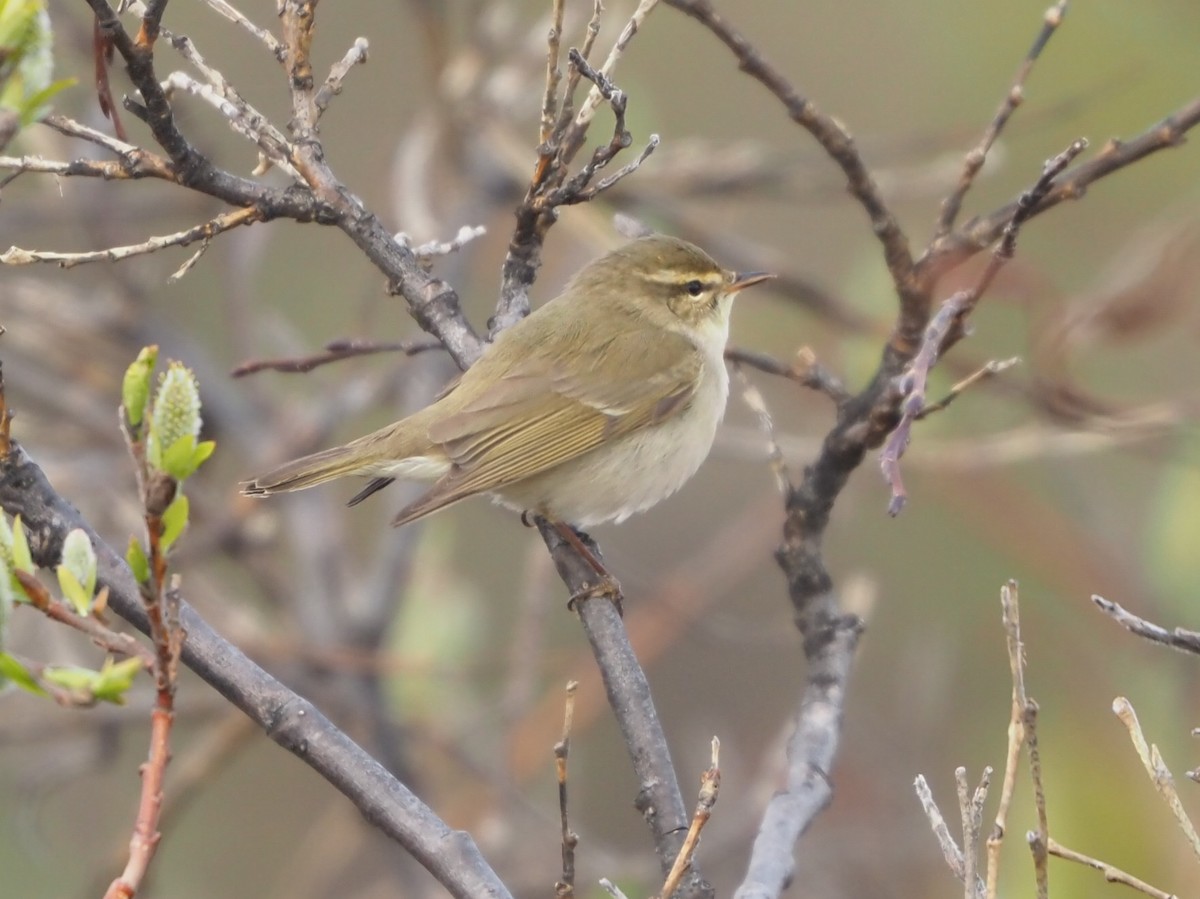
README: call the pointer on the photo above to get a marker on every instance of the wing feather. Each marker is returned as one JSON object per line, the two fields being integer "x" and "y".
{"x": 534, "y": 418}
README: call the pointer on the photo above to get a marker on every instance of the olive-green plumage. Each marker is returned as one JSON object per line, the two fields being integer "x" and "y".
{"x": 597, "y": 405}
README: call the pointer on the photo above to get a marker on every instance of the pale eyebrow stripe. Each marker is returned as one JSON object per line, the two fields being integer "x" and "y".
{"x": 675, "y": 278}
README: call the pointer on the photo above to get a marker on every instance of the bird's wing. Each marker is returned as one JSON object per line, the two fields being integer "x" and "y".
{"x": 531, "y": 420}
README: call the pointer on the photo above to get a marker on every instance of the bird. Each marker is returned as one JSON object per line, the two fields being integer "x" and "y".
{"x": 596, "y": 406}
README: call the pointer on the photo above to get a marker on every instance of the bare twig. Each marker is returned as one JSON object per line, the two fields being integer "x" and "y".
{"x": 566, "y": 884}
{"x": 1178, "y": 638}
{"x": 356, "y": 55}
{"x": 979, "y": 233}
{"x": 829, "y": 133}
{"x": 983, "y": 373}
{"x": 1039, "y": 838}
{"x": 803, "y": 370}
{"x": 335, "y": 351}
{"x": 659, "y": 798}
{"x": 1011, "y": 618}
{"x": 971, "y": 809}
{"x": 945, "y": 328}
{"x": 206, "y": 231}
{"x": 1159, "y": 773}
{"x": 758, "y": 405}
{"x": 1111, "y": 873}
{"x": 710, "y": 786}
{"x": 587, "y": 109}
{"x": 1016, "y": 93}
{"x": 941, "y": 830}
{"x": 267, "y": 39}
{"x": 553, "y": 71}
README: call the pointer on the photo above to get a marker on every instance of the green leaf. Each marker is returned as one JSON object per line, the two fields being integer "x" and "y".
{"x": 204, "y": 449}
{"x": 135, "y": 388}
{"x": 115, "y": 679}
{"x": 73, "y": 590}
{"x": 26, "y": 58}
{"x": 177, "y": 459}
{"x": 7, "y": 596}
{"x": 174, "y": 520}
{"x": 138, "y": 563}
{"x": 12, "y": 670}
{"x": 79, "y": 556}
{"x": 22, "y": 559}
{"x": 109, "y": 684}
{"x": 6, "y": 557}
{"x": 70, "y": 677}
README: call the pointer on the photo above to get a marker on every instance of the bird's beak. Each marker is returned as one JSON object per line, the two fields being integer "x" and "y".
{"x": 742, "y": 280}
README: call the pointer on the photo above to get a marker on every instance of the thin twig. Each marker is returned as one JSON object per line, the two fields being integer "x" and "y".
{"x": 833, "y": 137}
{"x": 335, "y": 351}
{"x": 804, "y": 370}
{"x": 754, "y": 399}
{"x": 983, "y": 373}
{"x": 1159, "y": 773}
{"x": 356, "y": 55}
{"x": 1016, "y": 93}
{"x": 1011, "y": 617}
{"x": 1179, "y": 638}
{"x": 1038, "y": 838}
{"x": 587, "y": 109}
{"x": 268, "y": 40}
{"x": 981, "y": 231}
{"x": 941, "y": 830}
{"x": 710, "y": 786}
{"x": 1111, "y": 873}
{"x": 99, "y": 633}
{"x": 553, "y": 70}
{"x": 565, "y": 887}
{"x": 226, "y": 221}
{"x": 946, "y": 327}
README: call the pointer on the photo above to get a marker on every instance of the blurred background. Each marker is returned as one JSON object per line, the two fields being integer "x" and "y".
{"x": 444, "y": 647}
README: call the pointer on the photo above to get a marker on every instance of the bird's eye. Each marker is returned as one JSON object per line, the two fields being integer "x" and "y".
{"x": 694, "y": 288}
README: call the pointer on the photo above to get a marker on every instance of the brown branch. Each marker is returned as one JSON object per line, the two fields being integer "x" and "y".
{"x": 804, "y": 370}
{"x": 946, "y": 328}
{"x": 946, "y": 253}
{"x": 834, "y": 139}
{"x": 100, "y": 633}
{"x": 978, "y": 155}
{"x": 335, "y": 351}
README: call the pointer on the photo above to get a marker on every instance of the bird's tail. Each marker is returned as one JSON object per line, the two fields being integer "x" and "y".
{"x": 308, "y": 471}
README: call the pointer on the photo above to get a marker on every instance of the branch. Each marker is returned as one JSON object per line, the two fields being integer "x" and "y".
{"x": 1016, "y": 93}
{"x": 1179, "y": 638}
{"x": 833, "y": 138}
{"x": 287, "y": 718}
{"x": 980, "y": 232}
{"x": 659, "y": 798}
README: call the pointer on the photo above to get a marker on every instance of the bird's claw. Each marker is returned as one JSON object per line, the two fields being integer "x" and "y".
{"x": 605, "y": 588}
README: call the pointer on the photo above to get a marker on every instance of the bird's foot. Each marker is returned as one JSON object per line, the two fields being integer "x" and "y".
{"x": 607, "y": 587}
